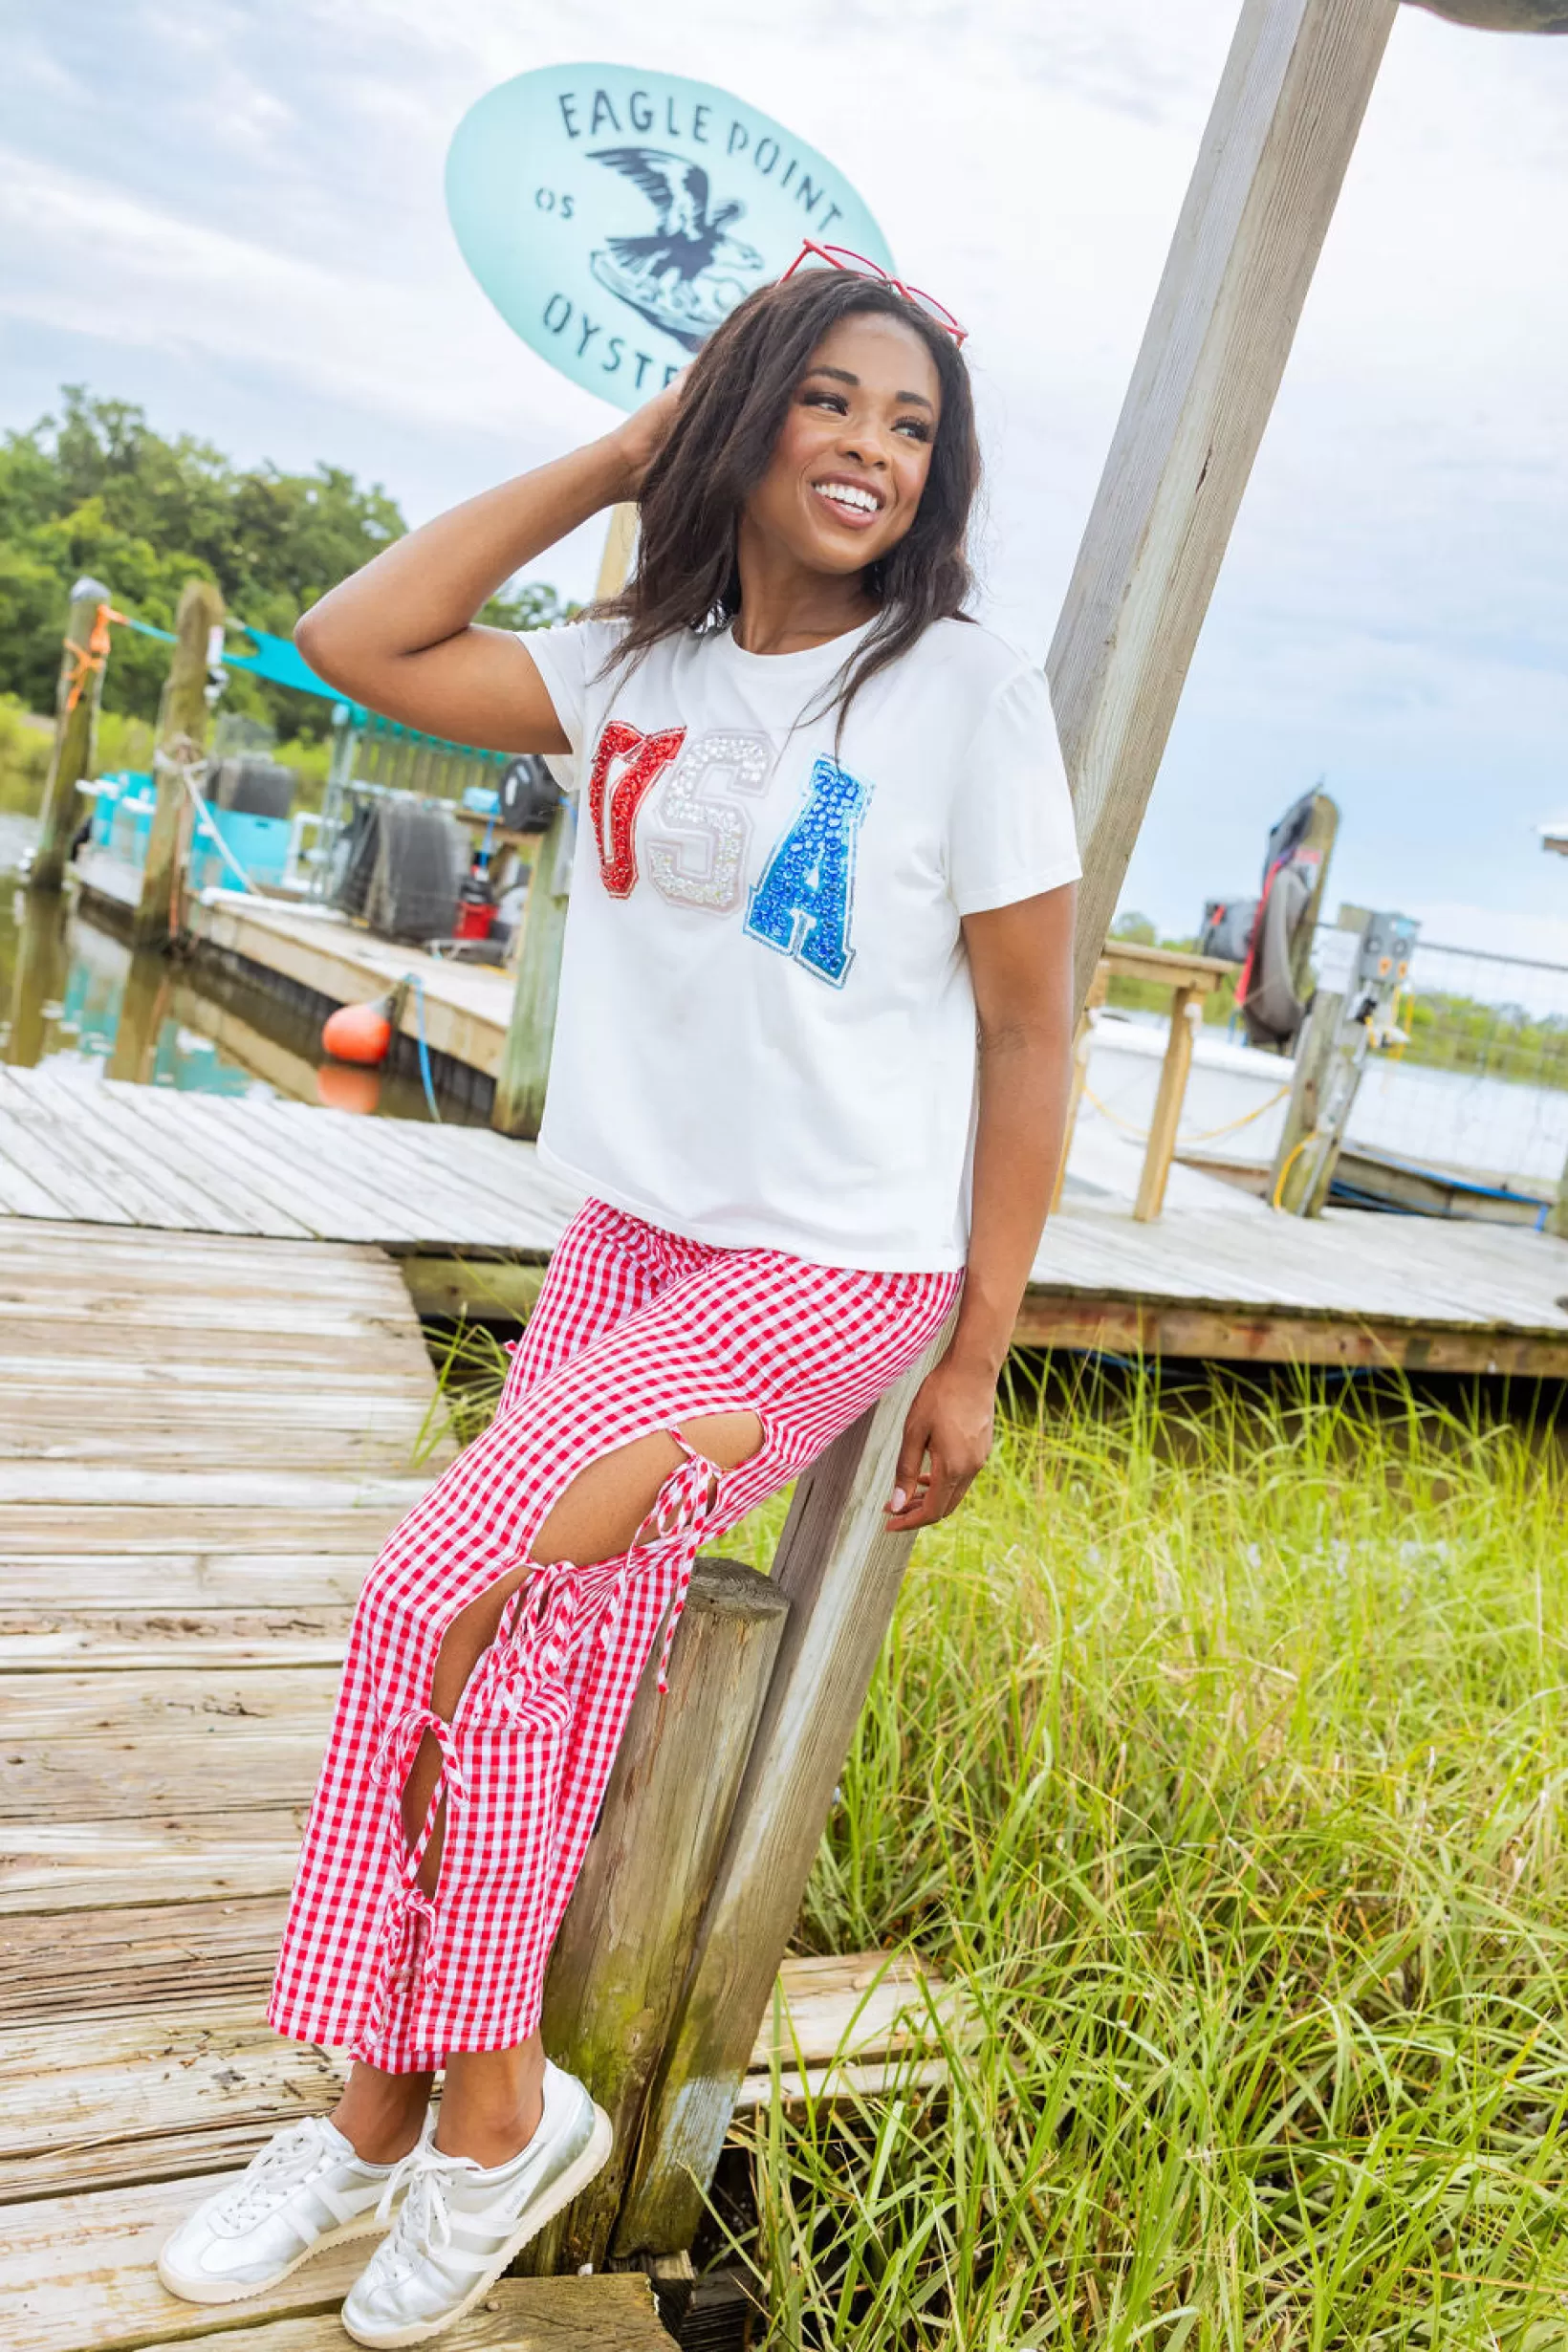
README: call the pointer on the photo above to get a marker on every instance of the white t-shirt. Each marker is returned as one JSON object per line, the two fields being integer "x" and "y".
{"x": 766, "y": 1033}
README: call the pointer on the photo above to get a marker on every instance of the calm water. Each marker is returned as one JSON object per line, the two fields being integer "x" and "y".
{"x": 74, "y": 996}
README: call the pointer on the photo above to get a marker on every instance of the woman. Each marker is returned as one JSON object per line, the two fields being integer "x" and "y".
{"x": 823, "y": 835}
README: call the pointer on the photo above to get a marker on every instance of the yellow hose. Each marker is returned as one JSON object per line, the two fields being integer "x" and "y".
{"x": 1291, "y": 1157}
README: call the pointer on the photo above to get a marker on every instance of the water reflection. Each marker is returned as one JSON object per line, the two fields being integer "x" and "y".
{"x": 37, "y": 979}
{"x": 73, "y": 993}
{"x": 76, "y": 996}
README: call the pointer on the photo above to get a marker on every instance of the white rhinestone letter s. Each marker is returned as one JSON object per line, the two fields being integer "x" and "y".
{"x": 697, "y": 860}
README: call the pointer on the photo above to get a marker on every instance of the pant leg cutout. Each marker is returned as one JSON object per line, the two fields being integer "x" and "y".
{"x": 517, "y": 1686}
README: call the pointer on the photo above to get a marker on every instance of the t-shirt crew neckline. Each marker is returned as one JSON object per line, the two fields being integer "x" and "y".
{"x": 829, "y": 656}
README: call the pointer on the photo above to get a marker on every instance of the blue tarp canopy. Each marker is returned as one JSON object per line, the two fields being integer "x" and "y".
{"x": 276, "y": 658}
{"x": 279, "y": 661}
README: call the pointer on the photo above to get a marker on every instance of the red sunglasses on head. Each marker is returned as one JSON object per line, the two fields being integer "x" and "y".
{"x": 860, "y": 265}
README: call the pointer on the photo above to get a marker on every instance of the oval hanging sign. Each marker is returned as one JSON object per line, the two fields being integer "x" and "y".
{"x": 615, "y": 217}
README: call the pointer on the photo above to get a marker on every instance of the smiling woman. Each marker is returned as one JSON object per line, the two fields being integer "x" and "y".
{"x": 829, "y": 382}
{"x": 825, "y": 847}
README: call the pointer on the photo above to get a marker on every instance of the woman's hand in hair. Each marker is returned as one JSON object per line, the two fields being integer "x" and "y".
{"x": 645, "y": 432}
{"x": 946, "y": 1439}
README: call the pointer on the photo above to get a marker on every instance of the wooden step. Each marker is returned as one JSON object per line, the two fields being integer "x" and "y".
{"x": 77, "y": 2276}
{"x": 609, "y": 2314}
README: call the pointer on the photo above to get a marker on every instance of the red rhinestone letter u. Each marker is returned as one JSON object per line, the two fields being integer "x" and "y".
{"x": 643, "y": 758}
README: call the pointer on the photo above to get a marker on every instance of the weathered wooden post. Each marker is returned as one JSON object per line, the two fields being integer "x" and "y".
{"x": 624, "y": 1952}
{"x": 1328, "y": 1065}
{"x": 181, "y": 740}
{"x": 76, "y": 697}
{"x": 143, "y": 1003}
{"x": 1361, "y": 972}
{"x": 1557, "y": 1221}
{"x": 525, "y": 1056}
{"x": 1185, "y": 1020}
{"x": 1273, "y": 156}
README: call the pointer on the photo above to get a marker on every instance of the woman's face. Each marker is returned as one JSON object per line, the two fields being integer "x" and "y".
{"x": 848, "y": 468}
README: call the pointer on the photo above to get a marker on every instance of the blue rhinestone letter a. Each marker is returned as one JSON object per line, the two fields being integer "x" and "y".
{"x": 805, "y": 901}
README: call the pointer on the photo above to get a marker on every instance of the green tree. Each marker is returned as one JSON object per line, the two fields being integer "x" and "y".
{"x": 96, "y": 489}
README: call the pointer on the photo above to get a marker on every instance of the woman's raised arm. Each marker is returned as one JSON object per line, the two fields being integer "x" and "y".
{"x": 401, "y": 635}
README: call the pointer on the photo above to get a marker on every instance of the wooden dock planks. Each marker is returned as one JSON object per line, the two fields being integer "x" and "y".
{"x": 473, "y": 1216}
{"x": 203, "y": 1437}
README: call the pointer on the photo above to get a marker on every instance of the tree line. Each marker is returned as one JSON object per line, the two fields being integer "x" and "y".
{"x": 94, "y": 490}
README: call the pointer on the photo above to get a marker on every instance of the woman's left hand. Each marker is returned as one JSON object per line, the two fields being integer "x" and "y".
{"x": 946, "y": 1438}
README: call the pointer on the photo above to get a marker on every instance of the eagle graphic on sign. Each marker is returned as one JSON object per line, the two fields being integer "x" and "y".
{"x": 689, "y": 272}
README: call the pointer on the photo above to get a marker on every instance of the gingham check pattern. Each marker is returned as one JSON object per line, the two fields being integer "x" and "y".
{"x": 636, "y": 1330}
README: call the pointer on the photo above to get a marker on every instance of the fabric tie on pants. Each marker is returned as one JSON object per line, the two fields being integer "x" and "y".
{"x": 562, "y": 1604}
{"x": 559, "y": 1606}
{"x": 406, "y": 1951}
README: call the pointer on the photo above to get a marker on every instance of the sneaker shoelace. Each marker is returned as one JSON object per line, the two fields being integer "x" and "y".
{"x": 284, "y": 2165}
{"x": 424, "y": 2223}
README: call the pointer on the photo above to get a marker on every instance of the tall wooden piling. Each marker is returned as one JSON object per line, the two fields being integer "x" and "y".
{"x": 525, "y": 1057}
{"x": 1273, "y": 156}
{"x": 181, "y": 741}
{"x": 77, "y": 696}
{"x": 627, "y": 1942}
{"x": 1326, "y": 1064}
{"x": 520, "y": 1083}
{"x": 1557, "y": 1221}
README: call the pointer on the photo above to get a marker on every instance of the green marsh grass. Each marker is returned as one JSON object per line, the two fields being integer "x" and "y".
{"x": 1218, "y": 1748}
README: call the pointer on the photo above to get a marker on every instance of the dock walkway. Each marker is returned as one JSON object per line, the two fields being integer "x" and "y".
{"x": 472, "y": 1218}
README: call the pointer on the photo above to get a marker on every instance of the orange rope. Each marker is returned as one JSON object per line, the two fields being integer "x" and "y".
{"x": 91, "y": 658}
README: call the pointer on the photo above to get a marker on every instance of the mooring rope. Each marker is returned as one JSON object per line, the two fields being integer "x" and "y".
{"x": 90, "y": 657}
{"x": 1142, "y": 1134}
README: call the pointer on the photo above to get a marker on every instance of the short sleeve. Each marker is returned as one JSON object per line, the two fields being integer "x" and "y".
{"x": 1011, "y": 833}
{"x": 569, "y": 659}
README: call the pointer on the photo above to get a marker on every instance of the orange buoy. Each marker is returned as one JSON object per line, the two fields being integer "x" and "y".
{"x": 342, "y": 1089}
{"x": 360, "y": 1033}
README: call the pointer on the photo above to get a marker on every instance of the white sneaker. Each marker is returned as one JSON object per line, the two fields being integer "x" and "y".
{"x": 306, "y": 2189}
{"x": 460, "y": 2225}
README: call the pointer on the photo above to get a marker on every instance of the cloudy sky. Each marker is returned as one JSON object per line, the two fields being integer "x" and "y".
{"x": 234, "y": 215}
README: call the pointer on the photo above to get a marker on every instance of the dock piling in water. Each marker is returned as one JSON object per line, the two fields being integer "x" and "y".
{"x": 181, "y": 740}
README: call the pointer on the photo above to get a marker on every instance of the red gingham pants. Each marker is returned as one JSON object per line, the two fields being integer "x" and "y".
{"x": 636, "y": 1330}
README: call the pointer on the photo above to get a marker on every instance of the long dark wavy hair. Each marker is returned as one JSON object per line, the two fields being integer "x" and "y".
{"x": 730, "y": 415}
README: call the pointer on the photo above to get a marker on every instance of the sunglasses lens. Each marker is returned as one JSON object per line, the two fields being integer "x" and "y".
{"x": 933, "y": 308}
